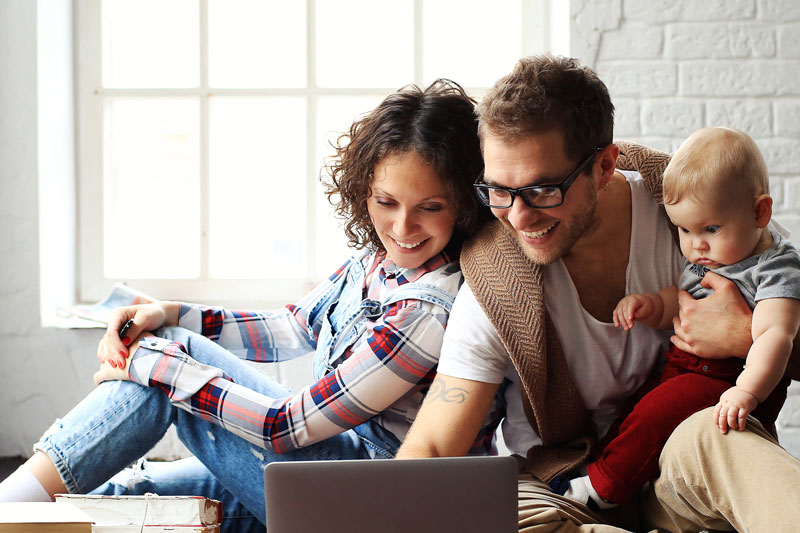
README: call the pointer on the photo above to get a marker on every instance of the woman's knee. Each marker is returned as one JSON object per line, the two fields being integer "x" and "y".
{"x": 174, "y": 333}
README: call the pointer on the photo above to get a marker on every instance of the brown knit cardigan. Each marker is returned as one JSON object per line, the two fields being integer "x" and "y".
{"x": 508, "y": 286}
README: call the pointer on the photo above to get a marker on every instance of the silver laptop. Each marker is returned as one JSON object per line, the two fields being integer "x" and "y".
{"x": 459, "y": 494}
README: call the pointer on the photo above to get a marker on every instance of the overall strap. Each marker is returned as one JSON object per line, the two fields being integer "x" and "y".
{"x": 424, "y": 292}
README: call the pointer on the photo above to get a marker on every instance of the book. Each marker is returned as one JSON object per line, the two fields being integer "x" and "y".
{"x": 98, "y": 313}
{"x": 148, "y": 512}
{"x": 100, "y": 528}
{"x": 43, "y": 517}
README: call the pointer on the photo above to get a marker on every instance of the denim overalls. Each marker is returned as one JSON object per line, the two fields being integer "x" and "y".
{"x": 120, "y": 421}
{"x": 344, "y": 320}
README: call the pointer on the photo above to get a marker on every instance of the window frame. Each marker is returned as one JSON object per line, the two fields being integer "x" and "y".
{"x": 536, "y": 20}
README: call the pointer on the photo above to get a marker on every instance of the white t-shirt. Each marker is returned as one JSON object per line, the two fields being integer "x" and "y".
{"x": 606, "y": 363}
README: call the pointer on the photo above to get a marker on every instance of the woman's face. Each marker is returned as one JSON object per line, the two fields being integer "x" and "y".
{"x": 411, "y": 209}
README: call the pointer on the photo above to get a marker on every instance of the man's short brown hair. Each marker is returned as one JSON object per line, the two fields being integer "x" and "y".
{"x": 544, "y": 92}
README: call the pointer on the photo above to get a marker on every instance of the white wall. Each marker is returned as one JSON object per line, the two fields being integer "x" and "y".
{"x": 44, "y": 370}
{"x": 671, "y": 67}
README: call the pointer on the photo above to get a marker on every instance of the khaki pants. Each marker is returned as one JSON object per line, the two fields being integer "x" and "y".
{"x": 740, "y": 481}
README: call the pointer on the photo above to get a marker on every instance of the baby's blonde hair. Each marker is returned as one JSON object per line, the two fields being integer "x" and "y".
{"x": 712, "y": 158}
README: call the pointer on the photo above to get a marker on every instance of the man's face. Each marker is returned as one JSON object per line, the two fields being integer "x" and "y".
{"x": 539, "y": 159}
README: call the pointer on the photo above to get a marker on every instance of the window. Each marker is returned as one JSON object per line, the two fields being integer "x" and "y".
{"x": 203, "y": 126}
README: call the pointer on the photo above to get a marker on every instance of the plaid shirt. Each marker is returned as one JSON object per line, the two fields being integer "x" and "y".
{"x": 383, "y": 374}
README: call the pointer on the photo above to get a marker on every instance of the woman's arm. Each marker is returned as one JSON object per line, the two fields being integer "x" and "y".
{"x": 262, "y": 336}
{"x": 394, "y": 358}
{"x": 266, "y": 336}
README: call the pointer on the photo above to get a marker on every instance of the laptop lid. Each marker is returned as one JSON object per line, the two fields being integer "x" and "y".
{"x": 436, "y": 495}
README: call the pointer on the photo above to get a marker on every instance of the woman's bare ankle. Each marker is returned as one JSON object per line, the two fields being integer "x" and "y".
{"x": 45, "y": 471}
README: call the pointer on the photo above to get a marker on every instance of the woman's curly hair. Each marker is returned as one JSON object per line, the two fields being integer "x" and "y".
{"x": 438, "y": 124}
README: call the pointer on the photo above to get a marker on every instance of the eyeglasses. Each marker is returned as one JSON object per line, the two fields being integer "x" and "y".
{"x": 536, "y": 196}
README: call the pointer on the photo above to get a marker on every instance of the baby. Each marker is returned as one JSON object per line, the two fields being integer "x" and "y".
{"x": 716, "y": 191}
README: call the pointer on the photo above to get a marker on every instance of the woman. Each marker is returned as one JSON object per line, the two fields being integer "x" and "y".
{"x": 402, "y": 180}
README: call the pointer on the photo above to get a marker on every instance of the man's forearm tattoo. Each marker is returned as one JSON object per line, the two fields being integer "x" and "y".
{"x": 439, "y": 391}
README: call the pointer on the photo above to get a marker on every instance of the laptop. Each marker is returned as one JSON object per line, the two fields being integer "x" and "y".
{"x": 437, "y": 495}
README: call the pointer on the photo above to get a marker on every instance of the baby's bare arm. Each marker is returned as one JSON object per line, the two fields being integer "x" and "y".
{"x": 775, "y": 324}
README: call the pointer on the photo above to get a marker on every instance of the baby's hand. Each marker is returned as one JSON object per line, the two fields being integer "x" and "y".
{"x": 733, "y": 407}
{"x": 632, "y": 307}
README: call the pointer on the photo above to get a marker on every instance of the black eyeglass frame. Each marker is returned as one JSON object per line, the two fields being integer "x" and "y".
{"x": 562, "y": 187}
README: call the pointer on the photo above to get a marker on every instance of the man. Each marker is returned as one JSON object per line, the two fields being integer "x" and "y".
{"x": 574, "y": 234}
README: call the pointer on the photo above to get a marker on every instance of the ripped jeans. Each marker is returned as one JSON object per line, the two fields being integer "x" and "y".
{"x": 119, "y": 421}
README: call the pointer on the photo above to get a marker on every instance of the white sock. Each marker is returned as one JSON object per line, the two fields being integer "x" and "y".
{"x": 22, "y": 486}
{"x": 581, "y": 489}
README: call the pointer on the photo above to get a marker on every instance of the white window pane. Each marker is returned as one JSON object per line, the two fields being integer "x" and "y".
{"x": 151, "y": 43}
{"x": 253, "y": 43}
{"x": 257, "y": 188}
{"x": 363, "y": 43}
{"x": 472, "y": 42}
{"x": 151, "y": 189}
{"x": 334, "y": 117}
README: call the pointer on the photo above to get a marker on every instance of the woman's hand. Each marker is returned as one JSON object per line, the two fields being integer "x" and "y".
{"x": 717, "y": 326}
{"x": 114, "y": 351}
{"x": 109, "y": 373}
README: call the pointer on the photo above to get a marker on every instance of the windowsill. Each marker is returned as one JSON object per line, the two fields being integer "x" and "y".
{"x": 56, "y": 317}
{"x": 72, "y": 322}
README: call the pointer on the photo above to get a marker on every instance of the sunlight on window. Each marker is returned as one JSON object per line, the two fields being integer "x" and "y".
{"x": 207, "y": 124}
{"x": 151, "y": 43}
{"x": 362, "y": 43}
{"x": 151, "y": 189}
{"x": 472, "y": 42}
{"x": 257, "y": 188}
{"x": 256, "y": 44}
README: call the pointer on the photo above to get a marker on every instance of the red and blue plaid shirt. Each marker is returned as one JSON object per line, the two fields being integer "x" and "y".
{"x": 383, "y": 375}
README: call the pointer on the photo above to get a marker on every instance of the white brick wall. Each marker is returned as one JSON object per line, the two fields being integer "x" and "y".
{"x": 664, "y": 79}
{"x": 675, "y": 65}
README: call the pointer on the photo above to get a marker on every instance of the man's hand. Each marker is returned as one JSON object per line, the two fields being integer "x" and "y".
{"x": 717, "y": 326}
{"x": 733, "y": 407}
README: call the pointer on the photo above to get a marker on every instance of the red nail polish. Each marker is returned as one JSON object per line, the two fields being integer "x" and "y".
{"x": 126, "y": 340}
{"x": 123, "y": 353}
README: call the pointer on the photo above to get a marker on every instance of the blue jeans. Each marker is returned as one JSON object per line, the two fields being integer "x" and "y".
{"x": 119, "y": 421}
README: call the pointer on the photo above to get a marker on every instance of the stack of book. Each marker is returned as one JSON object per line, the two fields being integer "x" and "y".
{"x": 149, "y": 513}
{"x": 40, "y": 517}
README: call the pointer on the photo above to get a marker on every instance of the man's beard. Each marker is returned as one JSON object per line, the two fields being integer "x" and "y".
{"x": 581, "y": 223}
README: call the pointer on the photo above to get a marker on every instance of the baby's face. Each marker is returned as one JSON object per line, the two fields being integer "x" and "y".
{"x": 716, "y": 231}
